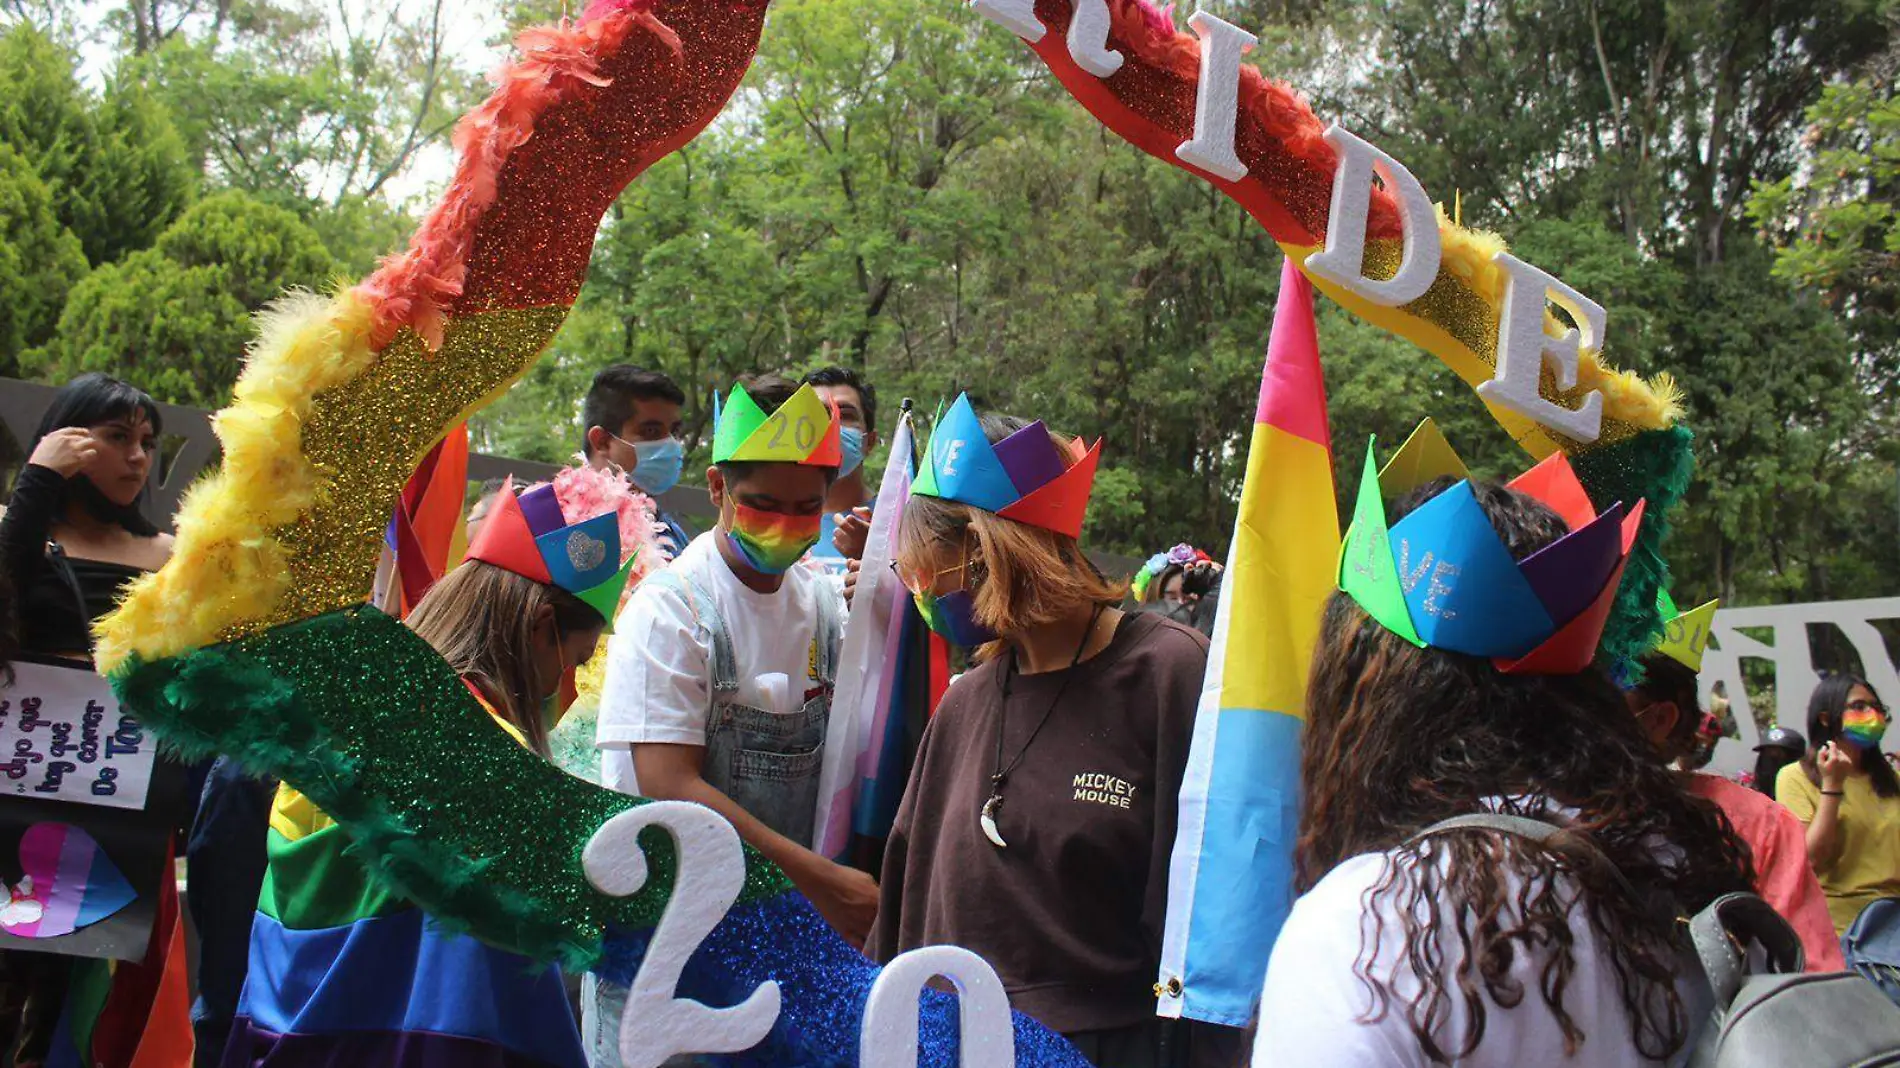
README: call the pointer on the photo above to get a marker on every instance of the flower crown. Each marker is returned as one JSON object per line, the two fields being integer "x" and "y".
{"x": 804, "y": 430}
{"x": 1022, "y": 477}
{"x": 1441, "y": 578}
{"x": 527, "y": 534}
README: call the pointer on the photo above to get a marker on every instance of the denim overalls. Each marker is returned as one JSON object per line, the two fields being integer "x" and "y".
{"x": 767, "y": 762}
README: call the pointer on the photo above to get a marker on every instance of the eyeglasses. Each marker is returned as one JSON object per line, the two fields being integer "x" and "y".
{"x": 916, "y": 581}
{"x": 1865, "y": 706}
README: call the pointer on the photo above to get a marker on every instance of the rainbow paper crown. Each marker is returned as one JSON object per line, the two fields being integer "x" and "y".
{"x": 1441, "y": 577}
{"x": 1022, "y": 477}
{"x": 526, "y": 534}
{"x": 804, "y": 430}
{"x": 1685, "y": 635}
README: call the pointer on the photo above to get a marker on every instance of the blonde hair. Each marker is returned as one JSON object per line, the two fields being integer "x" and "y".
{"x": 1020, "y": 577}
{"x": 481, "y": 619}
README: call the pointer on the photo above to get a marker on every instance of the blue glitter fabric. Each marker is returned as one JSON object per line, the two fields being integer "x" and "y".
{"x": 824, "y": 983}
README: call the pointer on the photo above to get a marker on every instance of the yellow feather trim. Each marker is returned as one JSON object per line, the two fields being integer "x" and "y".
{"x": 227, "y": 567}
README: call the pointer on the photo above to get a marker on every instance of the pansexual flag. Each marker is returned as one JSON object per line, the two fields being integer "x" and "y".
{"x": 1230, "y": 883}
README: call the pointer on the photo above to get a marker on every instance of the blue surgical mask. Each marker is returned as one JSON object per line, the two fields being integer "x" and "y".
{"x": 851, "y": 441}
{"x": 657, "y": 464}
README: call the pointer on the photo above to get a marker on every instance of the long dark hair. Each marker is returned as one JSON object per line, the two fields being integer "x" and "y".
{"x": 1825, "y": 706}
{"x": 1768, "y": 765}
{"x": 87, "y": 401}
{"x": 1399, "y": 738}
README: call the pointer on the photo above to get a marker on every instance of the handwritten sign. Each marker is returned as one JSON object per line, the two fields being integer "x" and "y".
{"x": 63, "y": 737}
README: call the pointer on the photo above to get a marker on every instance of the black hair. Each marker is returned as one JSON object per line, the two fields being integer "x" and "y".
{"x": 609, "y": 402}
{"x": 1768, "y": 765}
{"x": 769, "y": 392}
{"x": 1668, "y": 679}
{"x": 845, "y": 376}
{"x": 1400, "y": 737}
{"x": 1825, "y": 706}
{"x": 87, "y": 401}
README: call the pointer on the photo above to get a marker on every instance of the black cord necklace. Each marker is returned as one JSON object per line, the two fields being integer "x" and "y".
{"x": 986, "y": 820}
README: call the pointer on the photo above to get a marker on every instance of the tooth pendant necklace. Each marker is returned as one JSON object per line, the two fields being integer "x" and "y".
{"x": 992, "y": 808}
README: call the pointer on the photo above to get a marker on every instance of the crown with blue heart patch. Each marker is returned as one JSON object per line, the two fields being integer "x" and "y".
{"x": 1024, "y": 477}
{"x": 1442, "y": 578}
{"x": 527, "y": 534}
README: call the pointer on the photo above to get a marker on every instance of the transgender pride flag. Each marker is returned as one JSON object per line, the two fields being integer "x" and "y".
{"x": 863, "y": 775}
{"x": 1230, "y": 883}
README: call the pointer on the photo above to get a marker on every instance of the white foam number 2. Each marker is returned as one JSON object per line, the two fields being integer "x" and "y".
{"x": 657, "y": 1025}
{"x": 889, "y": 1037}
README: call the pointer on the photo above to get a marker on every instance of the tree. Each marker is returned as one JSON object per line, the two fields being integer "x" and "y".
{"x": 39, "y": 259}
{"x": 116, "y": 165}
{"x": 175, "y": 318}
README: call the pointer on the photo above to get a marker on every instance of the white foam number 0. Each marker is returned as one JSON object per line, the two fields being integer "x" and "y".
{"x": 657, "y": 1025}
{"x": 984, "y": 1029}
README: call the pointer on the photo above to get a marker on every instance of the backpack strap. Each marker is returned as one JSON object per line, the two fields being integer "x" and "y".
{"x": 1541, "y": 833}
{"x": 1742, "y": 918}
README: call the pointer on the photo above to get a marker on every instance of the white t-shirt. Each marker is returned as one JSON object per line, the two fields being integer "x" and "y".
{"x": 659, "y": 662}
{"x": 1313, "y": 1006}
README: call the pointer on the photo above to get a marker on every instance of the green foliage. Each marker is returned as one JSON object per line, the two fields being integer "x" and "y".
{"x": 116, "y": 165}
{"x": 39, "y": 259}
{"x": 175, "y": 318}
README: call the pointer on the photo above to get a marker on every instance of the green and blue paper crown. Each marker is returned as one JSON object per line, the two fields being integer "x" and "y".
{"x": 1442, "y": 578}
{"x": 804, "y": 430}
{"x": 1024, "y": 477}
{"x": 527, "y": 534}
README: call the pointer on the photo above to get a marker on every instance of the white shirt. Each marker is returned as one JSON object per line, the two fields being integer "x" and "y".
{"x": 1313, "y": 1005}
{"x": 659, "y": 662}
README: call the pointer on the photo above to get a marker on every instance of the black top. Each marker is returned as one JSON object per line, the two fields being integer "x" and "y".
{"x": 55, "y": 605}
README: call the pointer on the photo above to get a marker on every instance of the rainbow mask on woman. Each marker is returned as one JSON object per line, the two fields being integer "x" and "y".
{"x": 953, "y": 615}
{"x": 771, "y": 542}
{"x": 1864, "y": 726}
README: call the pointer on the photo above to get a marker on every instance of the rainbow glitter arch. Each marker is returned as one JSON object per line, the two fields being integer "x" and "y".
{"x": 254, "y": 640}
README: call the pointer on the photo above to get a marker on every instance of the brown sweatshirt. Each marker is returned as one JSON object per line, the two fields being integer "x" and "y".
{"x": 1070, "y": 914}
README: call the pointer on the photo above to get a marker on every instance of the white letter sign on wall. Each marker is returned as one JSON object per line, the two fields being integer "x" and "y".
{"x": 1789, "y": 650}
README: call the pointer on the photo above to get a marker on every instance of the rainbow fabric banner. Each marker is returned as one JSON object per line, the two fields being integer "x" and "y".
{"x": 1230, "y": 883}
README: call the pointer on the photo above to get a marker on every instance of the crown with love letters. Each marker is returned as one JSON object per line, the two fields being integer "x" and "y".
{"x": 1441, "y": 578}
{"x": 804, "y": 430}
{"x": 527, "y": 534}
{"x": 1024, "y": 477}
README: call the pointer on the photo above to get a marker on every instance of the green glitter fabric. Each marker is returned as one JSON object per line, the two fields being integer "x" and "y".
{"x": 369, "y": 722}
{"x": 1654, "y": 466}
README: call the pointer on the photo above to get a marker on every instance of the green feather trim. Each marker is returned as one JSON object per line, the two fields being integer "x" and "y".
{"x": 368, "y": 721}
{"x": 1654, "y": 466}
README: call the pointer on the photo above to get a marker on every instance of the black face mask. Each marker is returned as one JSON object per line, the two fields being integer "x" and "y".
{"x": 107, "y": 510}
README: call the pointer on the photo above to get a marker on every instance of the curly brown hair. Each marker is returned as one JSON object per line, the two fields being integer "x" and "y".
{"x": 1399, "y": 738}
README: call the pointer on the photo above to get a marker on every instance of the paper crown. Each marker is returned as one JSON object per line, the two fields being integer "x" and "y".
{"x": 1685, "y": 635}
{"x": 526, "y": 534}
{"x": 1024, "y": 477}
{"x": 804, "y": 430}
{"x": 1441, "y": 577}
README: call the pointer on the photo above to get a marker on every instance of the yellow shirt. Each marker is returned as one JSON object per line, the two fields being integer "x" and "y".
{"x": 1869, "y": 864}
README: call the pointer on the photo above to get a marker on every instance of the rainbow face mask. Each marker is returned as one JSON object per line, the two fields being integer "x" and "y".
{"x": 771, "y": 542}
{"x": 1864, "y": 726}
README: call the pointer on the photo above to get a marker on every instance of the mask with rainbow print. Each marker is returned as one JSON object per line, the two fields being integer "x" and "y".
{"x": 1864, "y": 726}
{"x": 771, "y": 542}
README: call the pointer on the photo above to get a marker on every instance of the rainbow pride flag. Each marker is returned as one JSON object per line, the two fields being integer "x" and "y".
{"x": 1230, "y": 882}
